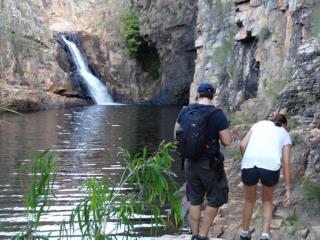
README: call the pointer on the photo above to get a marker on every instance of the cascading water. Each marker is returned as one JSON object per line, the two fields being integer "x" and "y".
{"x": 97, "y": 89}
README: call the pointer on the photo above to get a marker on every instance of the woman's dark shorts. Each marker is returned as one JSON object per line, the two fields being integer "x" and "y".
{"x": 251, "y": 176}
{"x": 202, "y": 180}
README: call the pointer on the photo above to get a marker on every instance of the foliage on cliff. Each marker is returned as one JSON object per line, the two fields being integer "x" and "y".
{"x": 130, "y": 31}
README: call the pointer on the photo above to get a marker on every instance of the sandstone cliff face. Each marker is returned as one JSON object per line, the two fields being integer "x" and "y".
{"x": 30, "y": 75}
{"x": 166, "y": 29}
{"x": 35, "y": 70}
{"x": 169, "y": 27}
{"x": 263, "y": 57}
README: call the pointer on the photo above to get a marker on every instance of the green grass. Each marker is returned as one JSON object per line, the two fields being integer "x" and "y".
{"x": 293, "y": 123}
{"x": 277, "y": 85}
{"x": 237, "y": 118}
{"x": 4, "y": 109}
{"x": 293, "y": 222}
{"x": 220, "y": 10}
{"x": 311, "y": 192}
{"x": 315, "y": 20}
{"x": 297, "y": 139}
{"x": 233, "y": 152}
{"x": 222, "y": 53}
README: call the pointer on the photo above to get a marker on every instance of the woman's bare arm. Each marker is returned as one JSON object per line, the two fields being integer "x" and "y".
{"x": 244, "y": 142}
{"x": 286, "y": 158}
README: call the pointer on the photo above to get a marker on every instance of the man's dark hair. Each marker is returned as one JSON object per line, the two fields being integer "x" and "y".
{"x": 206, "y": 95}
{"x": 206, "y": 90}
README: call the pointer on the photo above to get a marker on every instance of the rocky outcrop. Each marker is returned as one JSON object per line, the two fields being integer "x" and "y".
{"x": 169, "y": 27}
{"x": 263, "y": 57}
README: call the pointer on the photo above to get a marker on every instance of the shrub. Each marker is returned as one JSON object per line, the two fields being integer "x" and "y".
{"x": 220, "y": 10}
{"x": 221, "y": 54}
{"x": 130, "y": 31}
{"x": 293, "y": 123}
{"x": 292, "y": 221}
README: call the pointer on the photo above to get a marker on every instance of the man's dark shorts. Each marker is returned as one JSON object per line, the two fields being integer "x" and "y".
{"x": 251, "y": 176}
{"x": 201, "y": 180}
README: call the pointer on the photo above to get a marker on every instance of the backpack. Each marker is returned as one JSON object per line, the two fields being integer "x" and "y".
{"x": 192, "y": 139}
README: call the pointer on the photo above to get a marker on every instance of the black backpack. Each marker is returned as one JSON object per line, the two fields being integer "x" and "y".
{"x": 192, "y": 139}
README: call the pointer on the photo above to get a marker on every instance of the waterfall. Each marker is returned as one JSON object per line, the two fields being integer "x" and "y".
{"x": 97, "y": 89}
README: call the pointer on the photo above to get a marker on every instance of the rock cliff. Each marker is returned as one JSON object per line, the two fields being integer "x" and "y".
{"x": 263, "y": 57}
{"x": 35, "y": 72}
{"x": 31, "y": 77}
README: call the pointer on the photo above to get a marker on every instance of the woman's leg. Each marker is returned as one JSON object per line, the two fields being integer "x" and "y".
{"x": 267, "y": 196}
{"x": 250, "y": 199}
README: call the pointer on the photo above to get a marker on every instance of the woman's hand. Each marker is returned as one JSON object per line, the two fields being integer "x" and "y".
{"x": 287, "y": 200}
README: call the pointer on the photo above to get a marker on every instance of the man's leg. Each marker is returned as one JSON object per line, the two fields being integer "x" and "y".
{"x": 209, "y": 214}
{"x": 194, "y": 214}
{"x": 250, "y": 199}
{"x": 267, "y": 196}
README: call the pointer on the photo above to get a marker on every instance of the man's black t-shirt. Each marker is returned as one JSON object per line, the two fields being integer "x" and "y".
{"x": 216, "y": 122}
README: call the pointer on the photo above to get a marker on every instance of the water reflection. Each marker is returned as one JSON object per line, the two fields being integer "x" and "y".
{"x": 87, "y": 141}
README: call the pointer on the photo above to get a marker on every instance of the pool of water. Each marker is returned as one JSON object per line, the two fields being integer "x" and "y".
{"x": 87, "y": 141}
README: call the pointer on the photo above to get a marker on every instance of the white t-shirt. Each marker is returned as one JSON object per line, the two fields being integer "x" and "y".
{"x": 264, "y": 149}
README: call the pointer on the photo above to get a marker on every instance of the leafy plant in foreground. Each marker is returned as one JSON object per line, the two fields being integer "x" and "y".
{"x": 150, "y": 187}
{"x": 43, "y": 172}
{"x": 149, "y": 184}
{"x": 152, "y": 177}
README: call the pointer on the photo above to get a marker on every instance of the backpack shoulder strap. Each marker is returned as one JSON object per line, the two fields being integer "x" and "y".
{"x": 211, "y": 111}
{"x": 215, "y": 109}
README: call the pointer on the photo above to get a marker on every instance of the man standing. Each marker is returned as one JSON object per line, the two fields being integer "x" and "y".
{"x": 204, "y": 175}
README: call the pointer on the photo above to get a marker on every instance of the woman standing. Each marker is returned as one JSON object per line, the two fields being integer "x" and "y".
{"x": 262, "y": 149}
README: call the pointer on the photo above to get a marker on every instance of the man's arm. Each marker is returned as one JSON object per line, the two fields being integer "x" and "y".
{"x": 244, "y": 143}
{"x": 225, "y": 137}
{"x": 176, "y": 128}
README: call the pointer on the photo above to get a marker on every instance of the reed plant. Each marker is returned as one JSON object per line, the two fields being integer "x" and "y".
{"x": 149, "y": 186}
{"x": 36, "y": 202}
